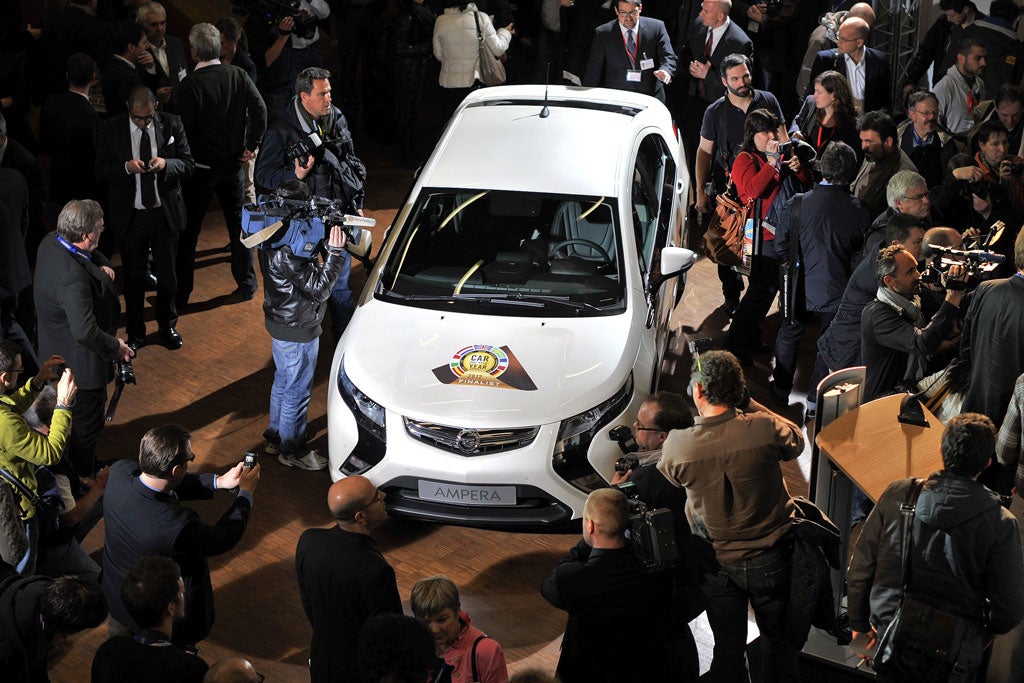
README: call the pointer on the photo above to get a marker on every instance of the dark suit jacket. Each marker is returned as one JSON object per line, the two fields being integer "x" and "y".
{"x": 114, "y": 149}
{"x": 343, "y": 581}
{"x": 140, "y": 522}
{"x": 993, "y": 341}
{"x": 19, "y": 158}
{"x": 605, "y": 591}
{"x": 877, "y": 93}
{"x": 734, "y": 41}
{"x": 176, "y": 63}
{"x": 14, "y": 272}
{"x": 118, "y": 78}
{"x": 608, "y": 62}
{"x": 78, "y": 312}
{"x": 68, "y": 133}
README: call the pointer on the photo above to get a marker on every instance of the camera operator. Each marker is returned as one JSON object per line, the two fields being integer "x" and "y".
{"x": 608, "y": 595}
{"x": 896, "y": 340}
{"x": 327, "y": 164}
{"x": 295, "y": 288}
{"x": 993, "y": 341}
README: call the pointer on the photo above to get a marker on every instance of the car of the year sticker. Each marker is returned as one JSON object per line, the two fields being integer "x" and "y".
{"x": 483, "y": 365}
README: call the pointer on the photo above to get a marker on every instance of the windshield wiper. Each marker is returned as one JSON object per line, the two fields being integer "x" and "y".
{"x": 512, "y": 299}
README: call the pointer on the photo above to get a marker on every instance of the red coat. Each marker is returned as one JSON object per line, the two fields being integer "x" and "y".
{"x": 755, "y": 178}
{"x": 490, "y": 659}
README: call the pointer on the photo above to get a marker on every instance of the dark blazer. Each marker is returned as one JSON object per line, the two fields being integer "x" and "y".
{"x": 78, "y": 312}
{"x": 608, "y": 63}
{"x": 343, "y": 581}
{"x": 14, "y": 272}
{"x": 877, "y": 93}
{"x": 68, "y": 135}
{"x": 118, "y": 79}
{"x": 140, "y": 522}
{"x": 993, "y": 342}
{"x": 605, "y": 591}
{"x": 176, "y": 63}
{"x": 734, "y": 41}
{"x": 114, "y": 149}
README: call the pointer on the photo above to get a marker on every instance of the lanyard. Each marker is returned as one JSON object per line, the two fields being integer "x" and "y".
{"x": 636, "y": 49}
{"x": 73, "y": 249}
{"x": 831, "y": 132}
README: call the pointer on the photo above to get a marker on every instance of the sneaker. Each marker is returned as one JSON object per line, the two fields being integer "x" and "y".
{"x": 311, "y": 461}
{"x": 271, "y": 448}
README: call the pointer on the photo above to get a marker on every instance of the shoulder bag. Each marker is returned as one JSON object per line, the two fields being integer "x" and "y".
{"x": 723, "y": 238}
{"x": 492, "y": 71}
{"x": 923, "y": 643}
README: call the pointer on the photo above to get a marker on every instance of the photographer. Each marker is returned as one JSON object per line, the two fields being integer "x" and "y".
{"x": 992, "y": 165}
{"x": 608, "y": 595}
{"x": 309, "y": 141}
{"x": 295, "y": 288}
{"x": 895, "y": 338}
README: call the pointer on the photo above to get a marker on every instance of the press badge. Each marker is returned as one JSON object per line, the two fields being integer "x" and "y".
{"x": 633, "y": 76}
{"x": 646, "y": 64}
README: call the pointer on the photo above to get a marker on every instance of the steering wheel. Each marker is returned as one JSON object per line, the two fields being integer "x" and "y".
{"x": 604, "y": 257}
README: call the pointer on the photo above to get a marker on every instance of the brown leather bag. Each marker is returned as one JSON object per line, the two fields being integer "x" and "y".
{"x": 723, "y": 239}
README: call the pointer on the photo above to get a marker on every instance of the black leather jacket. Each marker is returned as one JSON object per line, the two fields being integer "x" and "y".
{"x": 295, "y": 292}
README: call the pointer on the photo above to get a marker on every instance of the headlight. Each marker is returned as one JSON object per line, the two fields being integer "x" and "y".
{"x": 575, "y": 434}
{"x": 369, "y": 414}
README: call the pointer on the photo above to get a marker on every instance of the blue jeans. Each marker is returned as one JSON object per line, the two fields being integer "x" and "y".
{"x": 763, "y": 581}
{"x": 295, "y": 363}
{"x": 340, "y": 303}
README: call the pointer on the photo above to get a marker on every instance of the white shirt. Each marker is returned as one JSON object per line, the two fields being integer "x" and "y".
{"x": 716, "y": 35}
{"x": 855, "y": 75}
{"x": 143, "y": 155}
{"x": 160, "y": 56}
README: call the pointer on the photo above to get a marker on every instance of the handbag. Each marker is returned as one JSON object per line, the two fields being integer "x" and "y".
{"x": 923, "y": 643}
{"x": 723, "y": 238}
{"x": 492, "y": 71}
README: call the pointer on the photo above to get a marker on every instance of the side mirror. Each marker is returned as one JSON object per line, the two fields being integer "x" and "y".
{"x": 674, "y": 262}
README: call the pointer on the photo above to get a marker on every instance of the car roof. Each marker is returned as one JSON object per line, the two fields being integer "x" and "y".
{"x": 498, "y": 140}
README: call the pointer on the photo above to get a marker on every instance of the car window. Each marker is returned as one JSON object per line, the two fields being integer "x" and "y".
{"x": 543, "y": 254}
{"x": 651, "y": 199}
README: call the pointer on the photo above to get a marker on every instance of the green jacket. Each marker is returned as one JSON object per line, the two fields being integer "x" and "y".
{"x": 22, "y": 448}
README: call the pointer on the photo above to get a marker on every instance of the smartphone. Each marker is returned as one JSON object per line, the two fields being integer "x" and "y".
{"x": 250, "y": 459}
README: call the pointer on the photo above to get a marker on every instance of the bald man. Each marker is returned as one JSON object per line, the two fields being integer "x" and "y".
{"x": 823, "y": 37}
{"x": 866, "y": 68}
{"x": 232, "y": 670}
{"x": 343, "y": 577}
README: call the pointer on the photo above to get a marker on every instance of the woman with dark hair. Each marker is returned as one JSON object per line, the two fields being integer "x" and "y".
{"x": 758, "y": 174}
{"x": 829, "y": 114}
{"x": 457, "y": 48}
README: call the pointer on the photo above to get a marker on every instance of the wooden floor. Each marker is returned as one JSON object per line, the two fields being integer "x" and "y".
{"x": 218, "y": 386}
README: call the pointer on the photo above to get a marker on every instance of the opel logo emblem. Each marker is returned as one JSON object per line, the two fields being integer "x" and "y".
{"x": 468, "y": 440}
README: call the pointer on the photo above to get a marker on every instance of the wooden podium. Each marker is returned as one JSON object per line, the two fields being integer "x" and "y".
{"x": 873, "y": 449}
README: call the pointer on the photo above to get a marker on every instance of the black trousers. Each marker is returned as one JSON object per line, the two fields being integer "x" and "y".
{"x": 87, "y": 421}
{"x": 745, "y": 330}
{"x": 226, "y": 182}
{"x": 148, "y": 230}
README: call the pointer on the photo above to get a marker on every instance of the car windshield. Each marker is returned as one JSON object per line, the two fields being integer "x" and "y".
{"x": 538, "y": 254}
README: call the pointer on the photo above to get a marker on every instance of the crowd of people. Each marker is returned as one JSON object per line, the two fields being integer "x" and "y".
{"x": 850, "y": 188}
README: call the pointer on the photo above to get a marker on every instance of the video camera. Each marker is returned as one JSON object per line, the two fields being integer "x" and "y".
{"x": 305, "y": 225}
{"x": 301, "y": 149}
{"x": 979, "y": 264}
{"x": 651, "y": 534}
{"x": 273, "y": 11}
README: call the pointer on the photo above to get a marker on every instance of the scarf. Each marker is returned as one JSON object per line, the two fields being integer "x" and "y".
{"x": 910, "y": 308}
{"x": 321, "y": 126}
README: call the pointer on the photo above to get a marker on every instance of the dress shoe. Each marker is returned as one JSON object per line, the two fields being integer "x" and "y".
{"x": 135, "y": 343}
{"x": 171, "y": 338}
{"x": 244, "y": 294}
{"x": 730, "y": 306}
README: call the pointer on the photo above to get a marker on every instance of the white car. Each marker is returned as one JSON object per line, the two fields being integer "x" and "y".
{"x": 517, "y": 310}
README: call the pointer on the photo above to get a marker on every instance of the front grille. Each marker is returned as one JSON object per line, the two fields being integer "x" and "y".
{"x": 470, "y": 442}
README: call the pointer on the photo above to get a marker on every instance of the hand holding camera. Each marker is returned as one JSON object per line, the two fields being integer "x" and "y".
{"x": 66, "y": 388}
{"x": 52, "y": 369}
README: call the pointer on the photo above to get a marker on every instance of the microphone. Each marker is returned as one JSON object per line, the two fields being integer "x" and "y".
{"x": 972, "y": 255}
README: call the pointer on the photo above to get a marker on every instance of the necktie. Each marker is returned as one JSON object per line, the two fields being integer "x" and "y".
{"x": 631, "y": 46}
{"x": 707, "y": 60}
{"x": 147, "y": 182}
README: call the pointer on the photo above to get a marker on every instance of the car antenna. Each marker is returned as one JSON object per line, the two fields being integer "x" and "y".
{"x": 545, "y": 112}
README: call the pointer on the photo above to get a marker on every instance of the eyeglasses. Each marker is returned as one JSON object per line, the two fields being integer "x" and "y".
{"x": 16, "y": 371}
{"x": 182, "y": 461}
{"x": 840, "y": 39}
{"x": 927, "y": 112}
{"x": 637, "y": 427}
{"x": 379, "y": 496}
{"x": 144, "y": 120}
{"x": 633, "y": 13}
{"x": 917, "y": 197}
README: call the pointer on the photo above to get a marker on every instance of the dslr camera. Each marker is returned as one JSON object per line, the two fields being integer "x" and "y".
{"x": 623, "y": 436}
{"x": 273, "y": 11}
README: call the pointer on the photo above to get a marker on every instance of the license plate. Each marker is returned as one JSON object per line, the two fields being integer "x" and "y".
{"x": 462, "y": 494}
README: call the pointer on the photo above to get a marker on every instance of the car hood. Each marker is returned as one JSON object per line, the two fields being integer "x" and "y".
{"x": 486, "y": 371}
